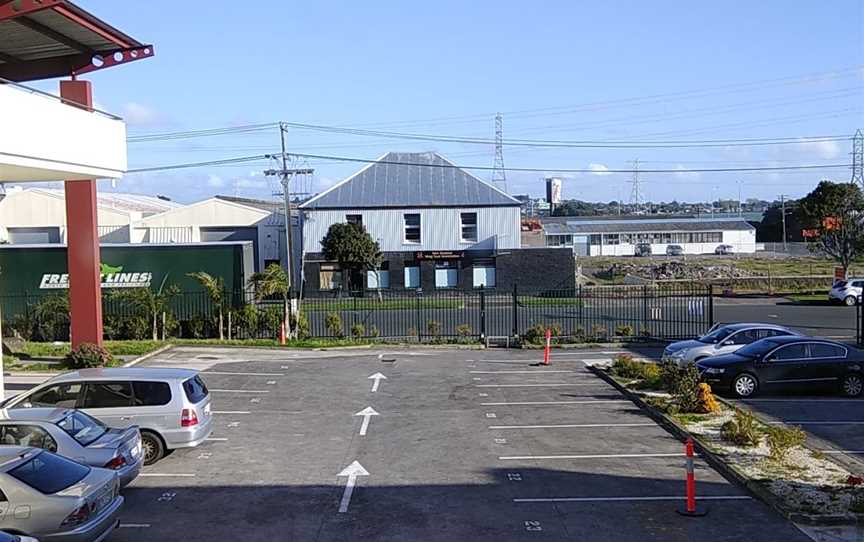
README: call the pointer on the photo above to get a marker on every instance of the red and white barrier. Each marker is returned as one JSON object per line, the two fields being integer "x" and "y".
{"x": 546, "y": 351}
{"x": 691, "y": 510}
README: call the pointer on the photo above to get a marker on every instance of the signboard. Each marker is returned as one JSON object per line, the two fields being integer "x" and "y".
{"x": 553, "y": 190}
{"x": 439, "y": 255}
{"x": 809, "y": 234}
{"x": 111, "y": 277}
{"x": 839, "y": 273}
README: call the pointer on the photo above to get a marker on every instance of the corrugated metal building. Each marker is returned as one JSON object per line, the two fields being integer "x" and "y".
{"x": 438, "y": 226}
{"x": 619, "y": 237}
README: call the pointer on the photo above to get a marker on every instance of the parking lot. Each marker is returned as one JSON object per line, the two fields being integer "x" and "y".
{"x": 450, "y": 445}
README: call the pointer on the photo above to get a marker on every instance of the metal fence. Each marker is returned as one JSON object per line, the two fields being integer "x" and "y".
{"x": 621, "y": 312}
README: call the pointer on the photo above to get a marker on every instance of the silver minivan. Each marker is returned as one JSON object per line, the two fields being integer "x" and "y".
{"x": 171, "y": 407}
{"x": 723, "y": 339}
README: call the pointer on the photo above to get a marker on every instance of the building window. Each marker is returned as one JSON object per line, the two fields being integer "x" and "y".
{"x": 446, "y": 274}
{"x": 469, "y": 227}
{"x": 412, "y": 228}
{"x": 484, "y": 273}
{"x": 383, "y": 274}
{"x": 594, "y": 239}
{"x": 329, "y": 277}
{"x": 412, "y": 275}
{"x": 357, "y": 220}
{"x": 610, "y": 239}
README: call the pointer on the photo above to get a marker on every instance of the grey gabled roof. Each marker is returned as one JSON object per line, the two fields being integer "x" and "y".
{"x": 410, "y": 179}
{"x": 584, "y": 227}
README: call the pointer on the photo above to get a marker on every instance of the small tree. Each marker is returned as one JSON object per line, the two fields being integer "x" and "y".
{"x": 351, "y": 246}
{"x": 274, "y": 281}
{"x": 836, "y": 212}
{"x": 215, "y": 288}
{"x": 151, "y": 303}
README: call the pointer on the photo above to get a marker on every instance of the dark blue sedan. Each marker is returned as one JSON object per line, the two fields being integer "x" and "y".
{"x": 785, "y": 363}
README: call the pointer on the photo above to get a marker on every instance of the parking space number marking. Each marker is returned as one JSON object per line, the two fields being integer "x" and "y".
{"x": 533, "y": 526}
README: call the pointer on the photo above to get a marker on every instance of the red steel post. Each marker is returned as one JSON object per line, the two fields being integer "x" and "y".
{"x": 82, "y": 240}
{"x": 691, "y": 478}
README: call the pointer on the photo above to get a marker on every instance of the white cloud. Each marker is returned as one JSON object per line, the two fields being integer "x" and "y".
{"x": 825, "y": 150}
{"x": 681, "y": 172}
{"x": 599, "y": 169}
{"x": 215, "y": 181}
{"x": 138, "y": 114}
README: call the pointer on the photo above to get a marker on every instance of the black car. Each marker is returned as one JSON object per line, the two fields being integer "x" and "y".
{"x": 786, "y": 362}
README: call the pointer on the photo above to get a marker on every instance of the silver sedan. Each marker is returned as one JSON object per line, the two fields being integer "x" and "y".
{"x": 54, "y": 498}
{"x": 76, "y": 435}
{"x": 723, "y": 339}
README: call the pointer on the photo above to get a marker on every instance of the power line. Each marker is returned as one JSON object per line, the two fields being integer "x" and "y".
{"x": 242, "y": 159}
{"x": 227, "y": 130}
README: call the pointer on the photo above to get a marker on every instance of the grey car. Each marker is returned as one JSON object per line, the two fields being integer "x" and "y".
{"x": 76, "y": 435}
{"x": 723, "y": 339}
{"x": 53, "y": 498}
{"x": 171, "y": 407}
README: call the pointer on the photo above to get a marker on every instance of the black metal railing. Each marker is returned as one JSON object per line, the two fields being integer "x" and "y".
{"x": 598, "y": 313}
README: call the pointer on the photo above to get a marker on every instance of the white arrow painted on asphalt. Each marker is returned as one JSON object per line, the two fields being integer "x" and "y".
{"x": 377, "y": 377}
{"x": 352, "y": 471}
{"x": 367, "y": 413}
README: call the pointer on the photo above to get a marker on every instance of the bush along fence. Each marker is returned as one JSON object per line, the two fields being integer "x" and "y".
{"x": 583, "y": 314}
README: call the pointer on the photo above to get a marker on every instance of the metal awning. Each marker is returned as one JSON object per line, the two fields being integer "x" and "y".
{"x": 43, "y": 39}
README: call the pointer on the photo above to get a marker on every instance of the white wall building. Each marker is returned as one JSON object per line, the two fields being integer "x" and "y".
{"x": 621, "y": 237}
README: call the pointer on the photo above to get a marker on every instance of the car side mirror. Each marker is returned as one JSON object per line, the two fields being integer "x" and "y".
{"x": 727, "y": 343}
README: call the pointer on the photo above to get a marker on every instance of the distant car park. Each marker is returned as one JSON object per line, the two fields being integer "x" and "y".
{"x": 642, "y": 249}
{"x": 786, "y": 363}
{"x": 674, "y": 250}
{"x": 723, "y": 250}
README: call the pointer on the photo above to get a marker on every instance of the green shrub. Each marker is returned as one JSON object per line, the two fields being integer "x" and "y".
{"x": 669, "y": 375}
{"x": 300, "y": 323}
{"x": 626, "y": 367}
{"x": 373, "y": 331}
{"x": 87, "y": 355}
{"x": 333, "y": 323}
{"x": 358, "y": 330}
{"x": 599, "y": 332}
{"x": 741, "y": 430}
{"x": 136, "y": 328}
{"x": 782, "y": 439}
{"x": 685, "y": 390}
{"x": 195, "y": 328}
{"x": 536, "y": 334}
{"x": 272, "y": 317}
{"x": 624, "y": 331}
{"x": 463, "y": 330}
{"x": 433, "y": 328}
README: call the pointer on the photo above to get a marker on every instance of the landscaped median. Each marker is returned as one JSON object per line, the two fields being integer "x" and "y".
{"x": 772, "y": 461}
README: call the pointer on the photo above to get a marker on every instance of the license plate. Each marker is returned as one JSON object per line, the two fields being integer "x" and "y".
{"x": 136, "y": 450}
{"x": 207, "y": 409}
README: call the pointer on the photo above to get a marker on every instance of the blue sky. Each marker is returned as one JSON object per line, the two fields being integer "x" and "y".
{"x": 652, "y": 70}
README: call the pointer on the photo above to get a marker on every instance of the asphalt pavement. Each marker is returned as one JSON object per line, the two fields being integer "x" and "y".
{"x": 458, "y": 445}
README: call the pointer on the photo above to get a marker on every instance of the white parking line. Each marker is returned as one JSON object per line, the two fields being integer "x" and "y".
{"x": 166, "y": 475}
{"x": 803, "y": 400}
{"x": 241, "y": 374}
{"x": 850, "y": 452}
{"x": 544, "y": 403}
{"x": 133, "y": 525}
{"x": 231, "y": 412}
{"x": 595, "y": 456}
{"x": 239, "y": 391}
{"x": 633, "y": 499}
{"x": 216, "y": 439}
{"x": 538, "y": 385}
{"x": 574, "y": 426}
{"x": 803, "y": 422}
{"x": 535, "y": 371}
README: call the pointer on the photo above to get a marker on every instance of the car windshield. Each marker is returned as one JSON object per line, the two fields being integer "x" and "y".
{"x": 840, "y": 284}
{"x": 49, "y": 473}
{"x": 83, "y": 428}
{"x": 757, "y": 349}
{"x": 715, "y": 336}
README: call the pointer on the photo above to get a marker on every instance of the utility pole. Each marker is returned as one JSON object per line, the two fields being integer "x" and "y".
{"x": 783, "y": 214}
{"x": 739, "y": 199}
{"x": 285, "y": 175}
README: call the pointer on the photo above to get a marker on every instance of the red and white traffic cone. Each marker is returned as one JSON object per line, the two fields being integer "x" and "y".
{"x": 690, "y": 509}
{"x": 546, "y": 351}
{"x": 282, "y": 334}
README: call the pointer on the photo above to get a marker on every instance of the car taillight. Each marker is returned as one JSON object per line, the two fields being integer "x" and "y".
{"x": 188, "y": 417}
{"x": 116, "y": 462}
{"x": 79, "y": 516}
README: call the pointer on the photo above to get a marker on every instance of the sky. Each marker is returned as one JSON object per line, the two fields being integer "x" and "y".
{"x": 615, "y": 70}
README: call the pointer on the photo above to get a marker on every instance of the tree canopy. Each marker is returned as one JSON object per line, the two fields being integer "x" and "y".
{"x": 836, "y": 212}
{"x": 351, "y": 246}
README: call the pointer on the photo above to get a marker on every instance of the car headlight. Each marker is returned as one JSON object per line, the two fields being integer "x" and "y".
{"x": 678, "y": 355}
{"x": 715, "y": 370}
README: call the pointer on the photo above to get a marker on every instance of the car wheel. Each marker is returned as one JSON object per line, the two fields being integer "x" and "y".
{"x": 152, "y": 446}
{"x": 850, "y": 300}
{"x": 852, "y": 385}
{"x": 745, "y": 385}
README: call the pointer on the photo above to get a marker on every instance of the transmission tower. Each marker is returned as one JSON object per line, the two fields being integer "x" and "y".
{"x": 635, "y": 193}
{"x": 858, "y": 158}
{"x": 499, "y": 174}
